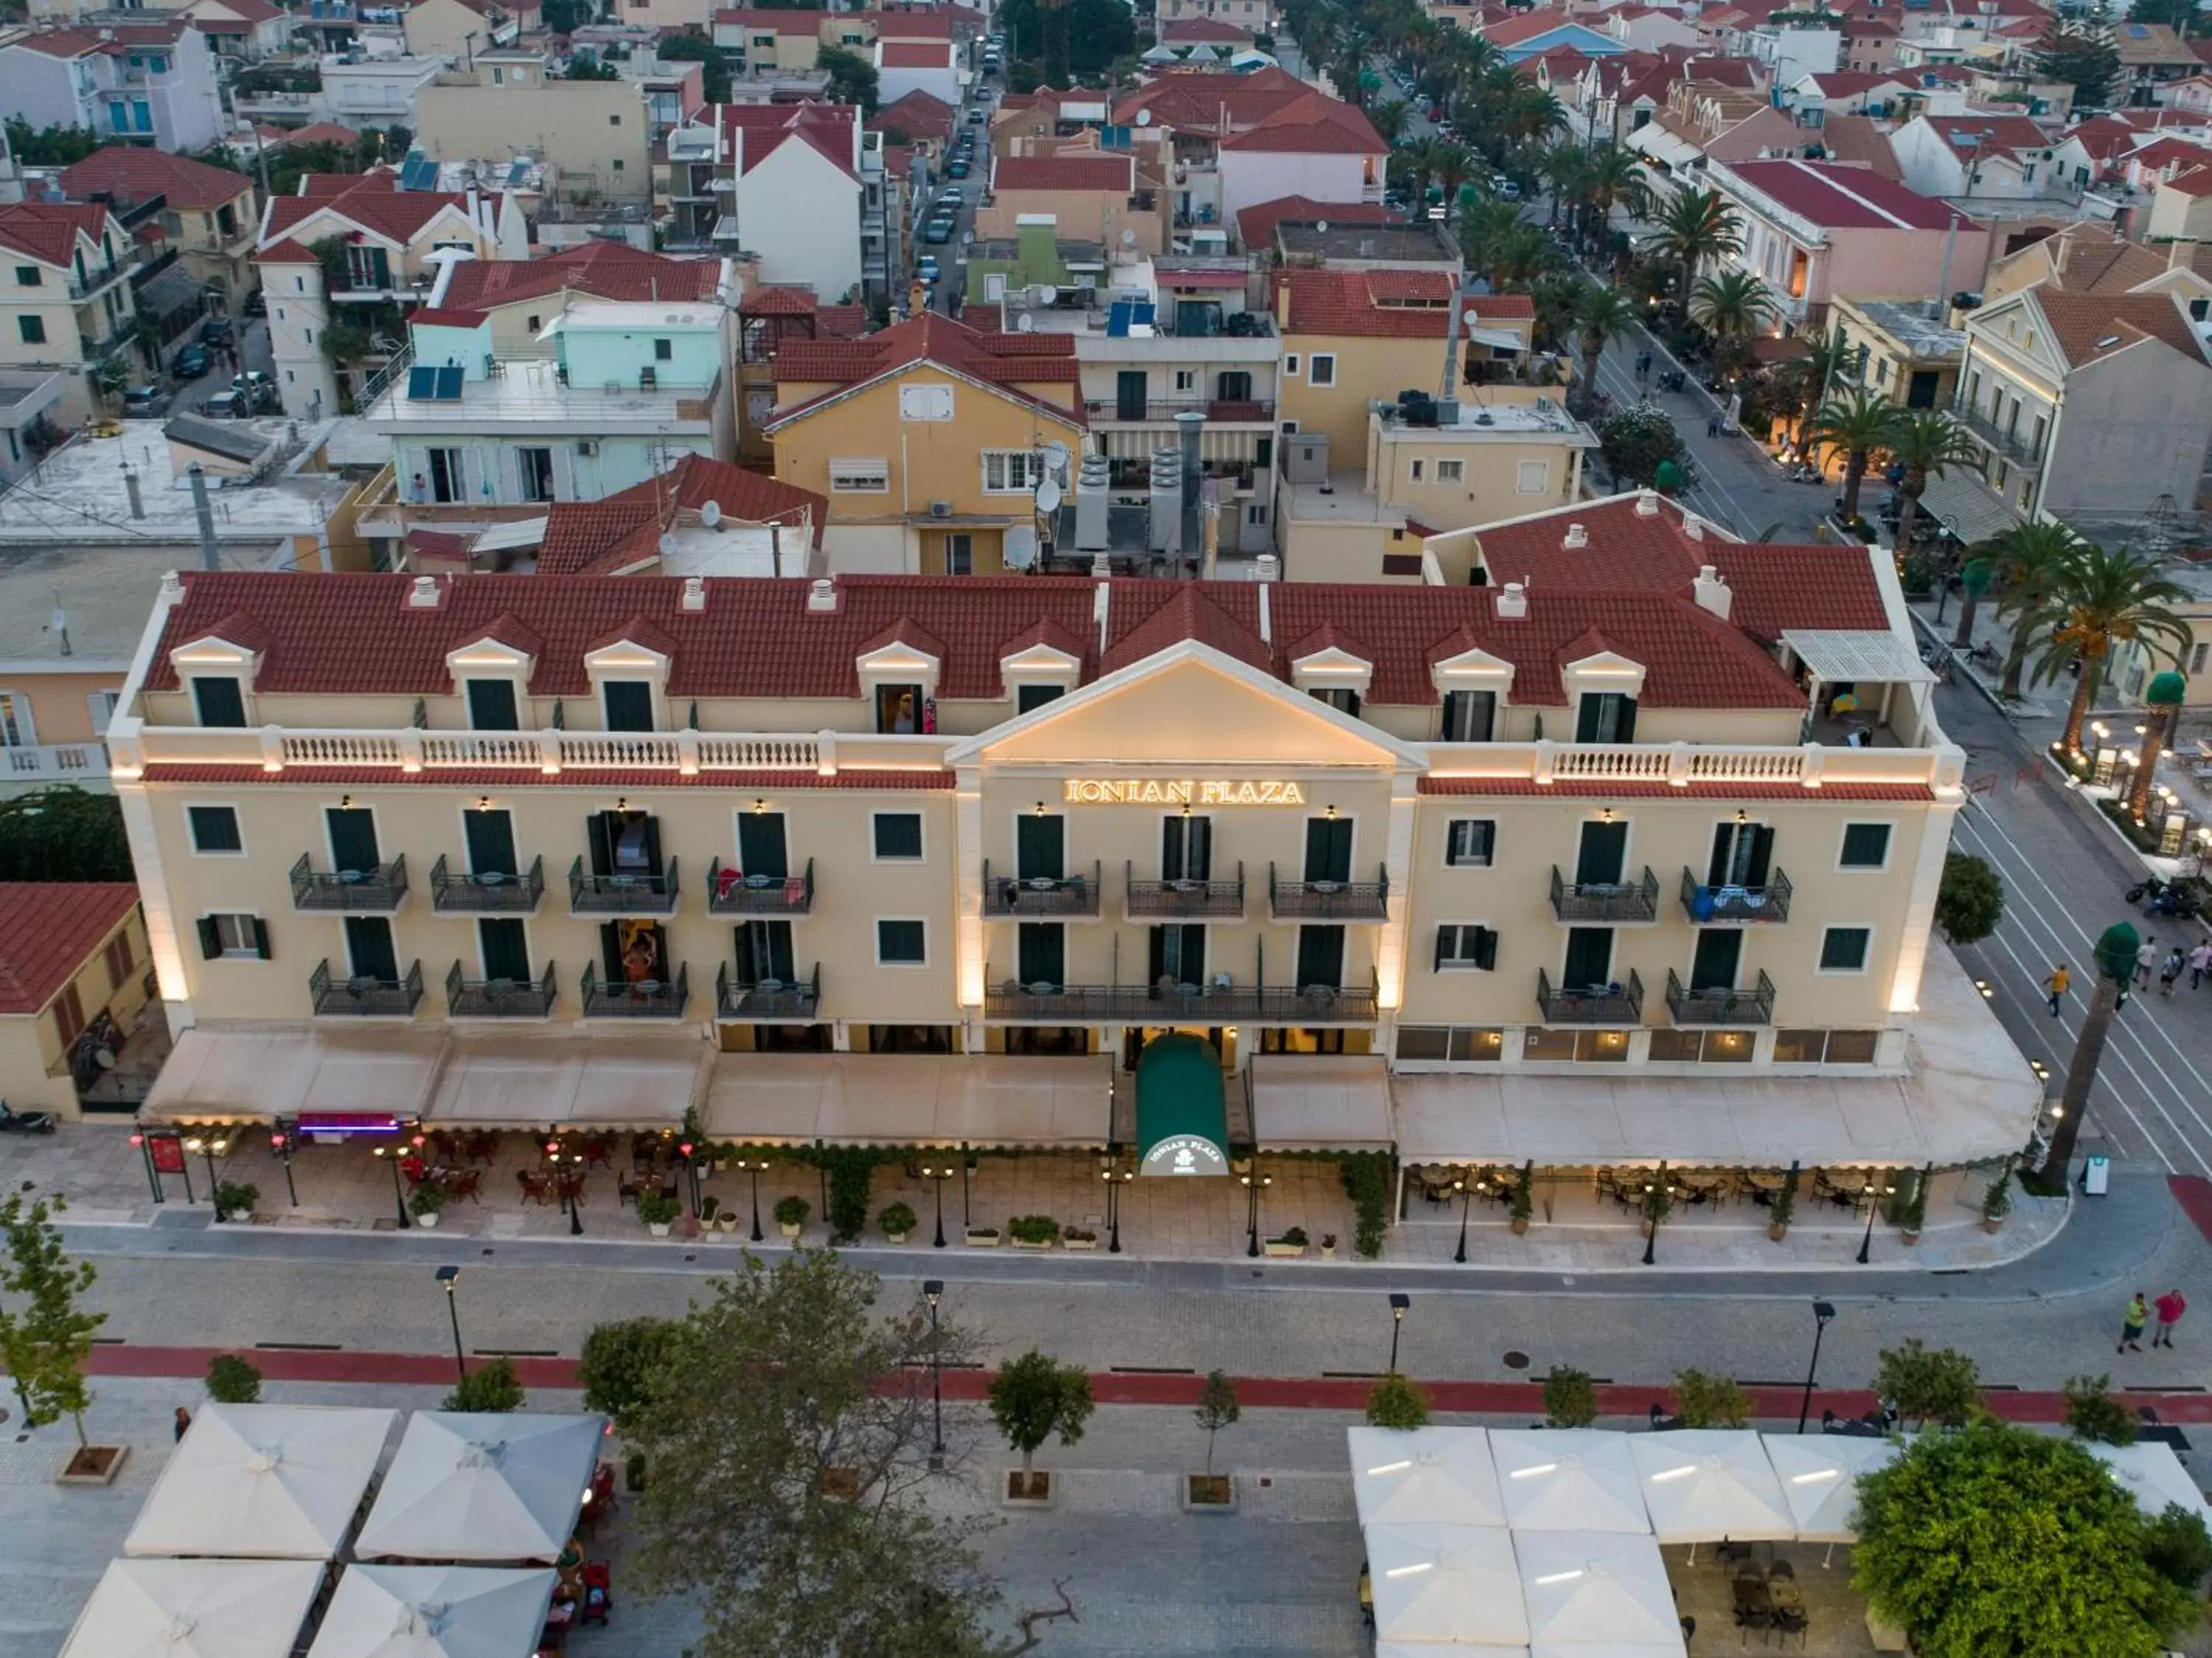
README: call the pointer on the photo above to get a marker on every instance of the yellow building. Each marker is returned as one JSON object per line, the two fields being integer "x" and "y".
{"x": 1354, "y": 338}
{"x": 66, "y": 304}
{"x": 1898, "y": 352}
{"x": 923, "y": 862}
{"x": 208, "y": 214}
{"x": 73, "y": 976}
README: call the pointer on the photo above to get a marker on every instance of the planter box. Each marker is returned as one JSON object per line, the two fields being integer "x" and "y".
{"x": 896, "y": 1237}
{"x": 428, "y": 1220}
{"x": 1274, "y": 1248}
{"x": 1024, "y": 1243}
{"x": 1207, "y": 1493}
{"x": 1080, "y": 1243}
{"x": 975, "y": 1240}
{"x": 789, "y": 1230}
{"x": 1036, "y": 1493}
{"x": 92, "y": 1464}
{"x": 659, "y": 1228}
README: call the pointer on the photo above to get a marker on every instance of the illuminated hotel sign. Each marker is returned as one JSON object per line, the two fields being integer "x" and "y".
{"x": 1181, "y": 791}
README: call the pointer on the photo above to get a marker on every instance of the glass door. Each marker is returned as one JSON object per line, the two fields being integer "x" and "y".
{"x": 353, "y": 840}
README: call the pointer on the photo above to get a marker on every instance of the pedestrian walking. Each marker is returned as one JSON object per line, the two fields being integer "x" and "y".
{"x": 2175, "y": 961}
{"x": 2055, "y": 987}
{"x": 1713, "y": 425}
{"x": 2131, "y": 1324}
{"x": 2146, "y": 959}
{"x": 2171, "y": 1305}
{"x": 184, "y": 1423}
{"x": 2200, "y": 964}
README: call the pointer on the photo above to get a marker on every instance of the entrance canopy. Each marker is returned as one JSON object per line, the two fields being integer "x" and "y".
{"x": 1183, "y": 1122}
{"x": 916, "y": 1100}
{"x": 434, "y": 1612}
{"x": 476, "y": 1486}
{"x": 262, "y": 1482}
{"x": 553, "y": 1079}
{"x": 1321, "y": 1102}
{"x": 257, "y": 1074}
{"x": 195, "y": 1609}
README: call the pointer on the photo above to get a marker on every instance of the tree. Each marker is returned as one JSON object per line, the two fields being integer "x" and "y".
{"x": 2075, "y": 54}
{"x": 714, "y": 79}
{"x": 1394, "y": 1402}
{"x": 1929, "y": 1384}
{"x": 1859, "y": 425}
{"x": 45, "y": 1339}
{"x": 2162, "y": 700}
{"x": 1704, "y": 1400}
{"x": 587, "y": 69}
{"x": 1926, "y": 445}
{"x": 63, "y": 833}
{"x": 620, "y": 1364}
{"x": 1216, "y": 1409}
{"x": 1600, "y": 312}
{"x": 232, "y": 1381}
{"x": 2028, "y": 558}
{"x": 2177, "y": 1546}
{"x": 52, "y": 146}
{"x": 1033, "y": 1398}
{"x": 1970, "y": 900}
{"x": 1999, "y": 1541}
{"x": 1694, "y": 226}
{"x": 1731, "y": 306}
{"x": 2098, "y": 600}
{"x": 1637, "y": 441}
{"x": 1569, "y": 1398}
{"x": 492, "y": 1388}
{"x": 2092, "y": 1412}
{"x": 852, "y": 78}
{"x": 2114, "y": 957}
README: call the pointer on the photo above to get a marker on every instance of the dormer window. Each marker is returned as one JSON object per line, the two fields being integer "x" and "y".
{"x": 1037, "y": 675}
{"x": 628, "y": 704}
{"x": 1605, "y": 716}
{"x": 219, "y": 699}
{"x": 492, "y": 705}
{"x": 1334, "y": 675}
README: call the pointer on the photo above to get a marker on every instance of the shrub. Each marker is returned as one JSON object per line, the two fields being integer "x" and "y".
{"x": 1569, "y": 1398}
{"x": 1034, "y": 1397}
{"x": 896, "y": 1220}
{"x": 2177, "y": 1546}
{"x": 2092, "y": 1412}
{"x": 1033, "y": 1229}
{"x": 1970, "y": 899}
{"x": 232, "y": 1381}
{"x": 1704, "y": 1400}
{"x": 1524, "y": 1192}
{"x": 231, "y": 1200}
{"x": 851, "y": 1172}
{"x": 657, "y": 1208}
{"x": 1929, "y": 1384}
{"x": 1366, "y": 1179}
{"x": 1397, "y": 1403}
{"x": 620, "y": 1362}
{"x": 1296, "y": 1234}
{"x": 426, "y": 1199}
{"x": 792, "y": 1211}
{"x": 1785, "y": 1201}
{"x": 1996, "y": 1202}
{"x": 493, "y": 1387}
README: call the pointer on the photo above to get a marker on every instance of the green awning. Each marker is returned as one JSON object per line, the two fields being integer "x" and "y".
{"x": 1182, "y": 1121}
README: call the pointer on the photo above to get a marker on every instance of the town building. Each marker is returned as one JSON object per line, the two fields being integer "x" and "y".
{"x": 458, "y": 30}
{"x": 765, "y": 45}
{"x": 599, "y": 134}
{"x": 1983, "y": 153}
{"x": 207, "y": 213}
{"x": 66, "y": 305}
{"x": 521, "y": 298}
{"x": 1095, "y": 196}
{"x": 801, "y": 188}
{"x": 74, "y": 980}
{"x": 1904, "y": 353}
{"x": 930, "y": 66}
{"x": 150, "y": 83}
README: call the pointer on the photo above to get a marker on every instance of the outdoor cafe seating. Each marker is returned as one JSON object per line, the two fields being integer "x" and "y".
{"x": 1767, "y": 1598}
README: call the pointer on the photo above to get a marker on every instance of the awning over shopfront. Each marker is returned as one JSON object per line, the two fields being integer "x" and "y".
{"x": 916, "y": 1100}
{"x": 256, "y": 1075}
{"x": 1183, "y": 1122}
{"x": 1960, "y": 503}
{"x": 1321, "y": 1102}
{"x": 558, "y": 1079}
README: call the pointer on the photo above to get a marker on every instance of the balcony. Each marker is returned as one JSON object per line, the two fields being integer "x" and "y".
{"x": 364, "y": 998}
{"x": 96, "y": 281}
{"x": 732, "y": 893}
{"x": 1042, "y": 897}
{"x": 60, "y": 762}
{"x": 767, "y": 1000}
{"x": 1601, "y": 1004}
{"x": 1720, "y": 1007}
{"x": 1714, "y": 906}
{"x": 1009, "y": 1001}
{"x": 1605, "y": 902}
{"x": 1328, "y": 900}
{"x": 2009, "y": 444}
{"x": 1183, "y": 900}
{"x": 489, "y": 894}
{"x": 649, "y": 998}
{"x": 498, "y": 998}
{"x": 621, "y": 895}
{"x": 1162, "y": 412}
{"x": 358, "y": 892}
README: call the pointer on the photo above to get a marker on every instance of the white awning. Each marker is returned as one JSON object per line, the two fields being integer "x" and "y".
{"x": 473, "y": 1486}
{"x": 195, "y": 1609}
{"x": 1455, "y": 1584}
{"x": 262, "y": 1482}
{"x": 1567, "y": 1479}
{"x": 1857, "y": 656}
{"x": 1598, "y": 1593}
{"x": 434, "y": 1612}
{"x": 2149, "y": 1471}
{"x": 508, "y": 538}
{"x": 1500, "y": 339}
{"x": 910, "y": 1100}
{"x": 1321, "y": 1102}
{"x": 556, "y": 1079}
{"x": 1429, "y": 1476}
{"x": 1966, "y": 506}
{"x": 1820, "y": 1475}
{"x": 256, "y": 1073}
{"x": 1704, "y": 1485}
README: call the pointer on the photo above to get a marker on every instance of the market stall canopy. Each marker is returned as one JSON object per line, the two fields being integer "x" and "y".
{"x": 1702, "y": 1485}
{"x": 480, "y": 1486}
{"x": 2149, "y": 1470}
{"x": 1431, "y": 1476}
{"x": 262, "y": 1482}
{"x": 1589, "y": 1593}
{"x": 917, "y": 1099}
{"x": 435, "y": 1611}
{"x": 195, "y": 1609}
{"x": 1454, "y": 1584}
{"x": 1567, "y": 1479}
{"x": 558, "y": 1079}
{"x": 1183, "y": 1120}
{"x": 257, "y": 1074}
{"x": 1321, "y": 1102}
{"x": 1820, "y": 1475}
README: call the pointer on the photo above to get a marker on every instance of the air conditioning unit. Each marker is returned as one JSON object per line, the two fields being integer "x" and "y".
{"x": 588, "y": 446}
{"x": 940, "y": 510}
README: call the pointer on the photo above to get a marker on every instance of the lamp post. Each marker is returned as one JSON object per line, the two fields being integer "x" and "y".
{"x": 447, "y": 1277}
{"x": 1115, "y": 1178}
{"x": 691, "y": 1177}
{"x": 391, "y": 1155}
{"x": 208, "y": 1146}
{"x": 1873, "y": 1194}
{"x": 932, "y": 1291}
{"x": 937, "y": 1174}
{"x": 755, "y": 1166}
{"x": 1658, "y": 1200}
{"x": 1255, "y": 1183}
{"x": 1822, "y": 1312}
{"x": 1466, "y": 1201}
{"x": 280, "y": 1142}
{"x": 567, "y": 1187}
{"x": 1399, "y": 1301}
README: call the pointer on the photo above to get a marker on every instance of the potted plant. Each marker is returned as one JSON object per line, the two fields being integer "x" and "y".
{"x": 236, "y": 1202}
{"x": 1913, "y": 1216}
{"x": 1783, "y": 1207}
{"x": 1524, "y": 1204}
{"x": 791, "y": 1214}
{"x": 656, "y": 1210}
{"x": 897, "y": 1222}
{"x": 1033, "y": 1231}
{"x": 423, "y": 1203}
{"x": 1328, "y": 1245}
{"x": 1292, "y": 1242}
{"x": 981, "y": 1237}
{"x": 1996, "y": 1202}
{"x": 1079, "y": 1237}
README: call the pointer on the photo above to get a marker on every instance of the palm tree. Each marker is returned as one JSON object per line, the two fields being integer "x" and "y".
{"x": 1733, "y": 306}
{"x": 1566, "y": 169}
{"x": 1802, "y": 383}
{"x": 2162, "y": 699}
{"x": 1694, "y": 226}
{"x": 1600, "y": 313}
{"x": 1613, "y": 177}
{"x": 1926, "y": 445}
{"x": 1455, "y": 164}
{"x": 1520, "y": 257}
{"x": 1389, "y": 120}
{"x": 1860, "y": 426}
{"x": 2099, "y": 599}
{"x": 2028, "y": 559}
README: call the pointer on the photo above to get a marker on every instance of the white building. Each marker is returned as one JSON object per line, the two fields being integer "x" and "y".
{"x": 1980, "y": 153}
{"x": 802, "y": 189}
{"x": 930, "y": 66}
{"x": 151, "y": 83}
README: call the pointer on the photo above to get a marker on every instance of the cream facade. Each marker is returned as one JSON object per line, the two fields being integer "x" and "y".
{"x": 36, "y": 1043}
{"x": 598, "y": 133}
{"x": 1515, "y": 452}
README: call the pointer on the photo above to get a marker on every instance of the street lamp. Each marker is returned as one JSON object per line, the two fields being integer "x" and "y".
{"x": 1822, "y": 1312}
{"x": 691, "y": 1177}
{"x": 280, "y": 1142}
{"x": 447, "y": 1277}
{"x": 755, "y": 1166}
{"x": 1657, "y": 1200}
{"x": 209, "y": 1146}
{"x": 391, "y": 1155}
{"x": 937, "y": 1174}
{"x": 1466, "y": 1201}
{"x": 1399, "y": 1301}
{"x": 932, "y": 1291}
{"x": 1871, "y": 1194}
{"x": 1115, "y": 1178}
{"x": 571, "y": 1188}
{"x": 1255, "y": 1183}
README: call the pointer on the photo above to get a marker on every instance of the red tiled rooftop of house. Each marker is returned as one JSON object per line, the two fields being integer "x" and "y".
{"x": 1844, "y": 198}
{"x": 48, "y": 929}
{"x": 1255, "y": 225}
{"x": 132, "y": 175}
{"x": 918, "y": 115}
{"x": 373, "y": 201}
{"x": 766, "y": 19}
{"x": 1370, "y": 304}
{"x": 603, "y": 270}
{"x": 1113, "y": 173}
{"x": 48, "y": 230}
{"x": 914, "y": 54}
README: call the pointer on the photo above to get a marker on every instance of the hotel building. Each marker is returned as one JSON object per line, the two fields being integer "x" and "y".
{"x": 1623, "y": 846}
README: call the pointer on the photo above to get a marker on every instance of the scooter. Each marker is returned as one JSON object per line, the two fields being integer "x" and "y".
{"x": 25, "y": 1122}
{"x": 2150, "y": 886}
{"x": 2172, "y": 902}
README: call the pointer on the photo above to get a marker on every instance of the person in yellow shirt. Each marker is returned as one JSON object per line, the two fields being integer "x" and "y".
{"x": 2056, "y": 986}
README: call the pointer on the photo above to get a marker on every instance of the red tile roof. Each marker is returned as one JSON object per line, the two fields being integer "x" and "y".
{"x": 1004, "y": 360}
{"x": 285, "y": 251}
{"x": 916, "y": 25}
{"x": 47, "y": 231}
{"x": 448, "y": 316}
{"x": 1255, "y": 225}
{"x": 1115, "y": 175}
{"x": 764, "y": 18}
{"x": 111, "y": 39}
{"x": 914, "y": 54}
{"x": 374, "y": 201}
{"x": 762, "y": 128}
{"x": 918, "y": 115}
{"x": 49, "y": 929}
{"x": 1212, "y": 102}
{"x": 1350, "y": 304}
{"x": 323, "y": 133}
{"x": 1979, "y": 134}
{"x": 135, "y": 175}
{"x": 1856, "y": 140}
{"x": 1312, "y": 126}
{"x": 603, "y": 270}
{"x": 1206, "y": 30}
{"x": 2086, "y": 327}
{"x": 1837, "y": 198}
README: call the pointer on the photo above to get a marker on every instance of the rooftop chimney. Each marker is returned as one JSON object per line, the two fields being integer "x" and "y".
{"x": 1694, "y": 526}
{"x": 695, "y": 592}
{"x": 1513, "y": 601}
{"x": 1647, "y": 503}
{"x": 822, "y": 595}
{"x": 1576, "y": 536}
{"x": 1711, "y": 592}
{"x": 423, "y": 595}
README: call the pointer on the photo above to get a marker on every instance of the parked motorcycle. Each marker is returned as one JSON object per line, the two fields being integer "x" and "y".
{"x": 2149, "y": 886}
{"x": 25, "y": 1122}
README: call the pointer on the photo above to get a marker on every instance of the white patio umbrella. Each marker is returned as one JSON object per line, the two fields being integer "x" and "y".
{"x": 1431, "y": 1650}
{"x": 435, "y": 1611}
{"x": 195, "y": 1609}
{"x": 1705, "y": 1485}
{"x": 1452, "y": 1583}
{"x": 1820, "y": 1475}
{"x": 482, "y": 1487}
{"x": 1592, "y": 1593}
{"x": 1610, "y": 1649}
{"x": 1433, "y": 1476}
{"x": 2149, "y": 1470}
{"x": 262, "y": 1482}
{"x": 1567, "y": 1479}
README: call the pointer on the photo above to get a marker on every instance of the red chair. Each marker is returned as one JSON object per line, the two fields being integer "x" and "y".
{"x": 415, "y": 1169}
{"x": 465, "y": 1183}
{"x": 535, "y": 1187}
{"x": 598, "y": 1594}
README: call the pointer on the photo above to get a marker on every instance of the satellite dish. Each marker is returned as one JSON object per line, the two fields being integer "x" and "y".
{"x": 1056, "y": 458}
{"x": 1144, "y": 117}
{"x": 1128, "y": 239}
{"x": 1048, "y": 496}
{"x": 104, "y": 1058}
{"x": 1467, "y": 319}
{"x": 667, "y": 545}
{"x": 1322, "y": 226}
{"x": 1026, "y": 324}
{"x": 711, "y": 514}
{"x": 1020, "y": 549}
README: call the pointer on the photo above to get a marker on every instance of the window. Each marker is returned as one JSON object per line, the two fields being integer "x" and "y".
{"x": 897, "y": 837}
{"x": 629, "y": 704}
{"x": 1843, "y": 949}
{"x": 1324, "y": 370}
{"x": 1185, "y": 379}
{"x": 959, "y": 555}
{"x": 851, "y": 477}
{"x": 69, "y": 1015}
{"x": 1451, "y": 471}
{"x": 1461, "y": 1045}
{"x": 2196, "y": 658}
{"x": 1605, "y": 716}
{"x": 29, "y": 276}
{"x": 219, "y": 701}
{"x": 534, "y": 324}
{"x": 1415, "y": 474}
{"x": 1866, "y": 846}
{"x": 614, "y": 120}
{"x": 1463, "y": 944}
{"x": 214, "y": 830}
{"x": 119, "y": 959}
{"x": 1850, "y": 1048}
{"x": 1469, "y": 715}
{"x": 664, "y": 351}
{"x": 33, "y": 329}
{"x": 1030, "y": 696}
{"x": 492, "y": 705}
{"x": 901, "y": 944}
{"x": 1470, "y": 843}
{"x": 535, "y": 466}
{"x": 233, "y": 937}
{"x": 1343, "y": 698}
{"x": 1289, "y": 365}
{"x": 1012, "y": 471}
{"x": 1533, "y": 477}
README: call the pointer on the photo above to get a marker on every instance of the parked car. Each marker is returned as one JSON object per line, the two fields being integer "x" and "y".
{"x": 226, "y": 406}
{"x": 939, "y": 229}
{"x": 192, "y": 363}
{"x": 956, "y": 168}
{"x": 954, "y": 197}
{"x": 145, "y": 403}
{"x": 216, "y": 329}
{"x": 977, "y": 116}
{"x": 257, "y": 303}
